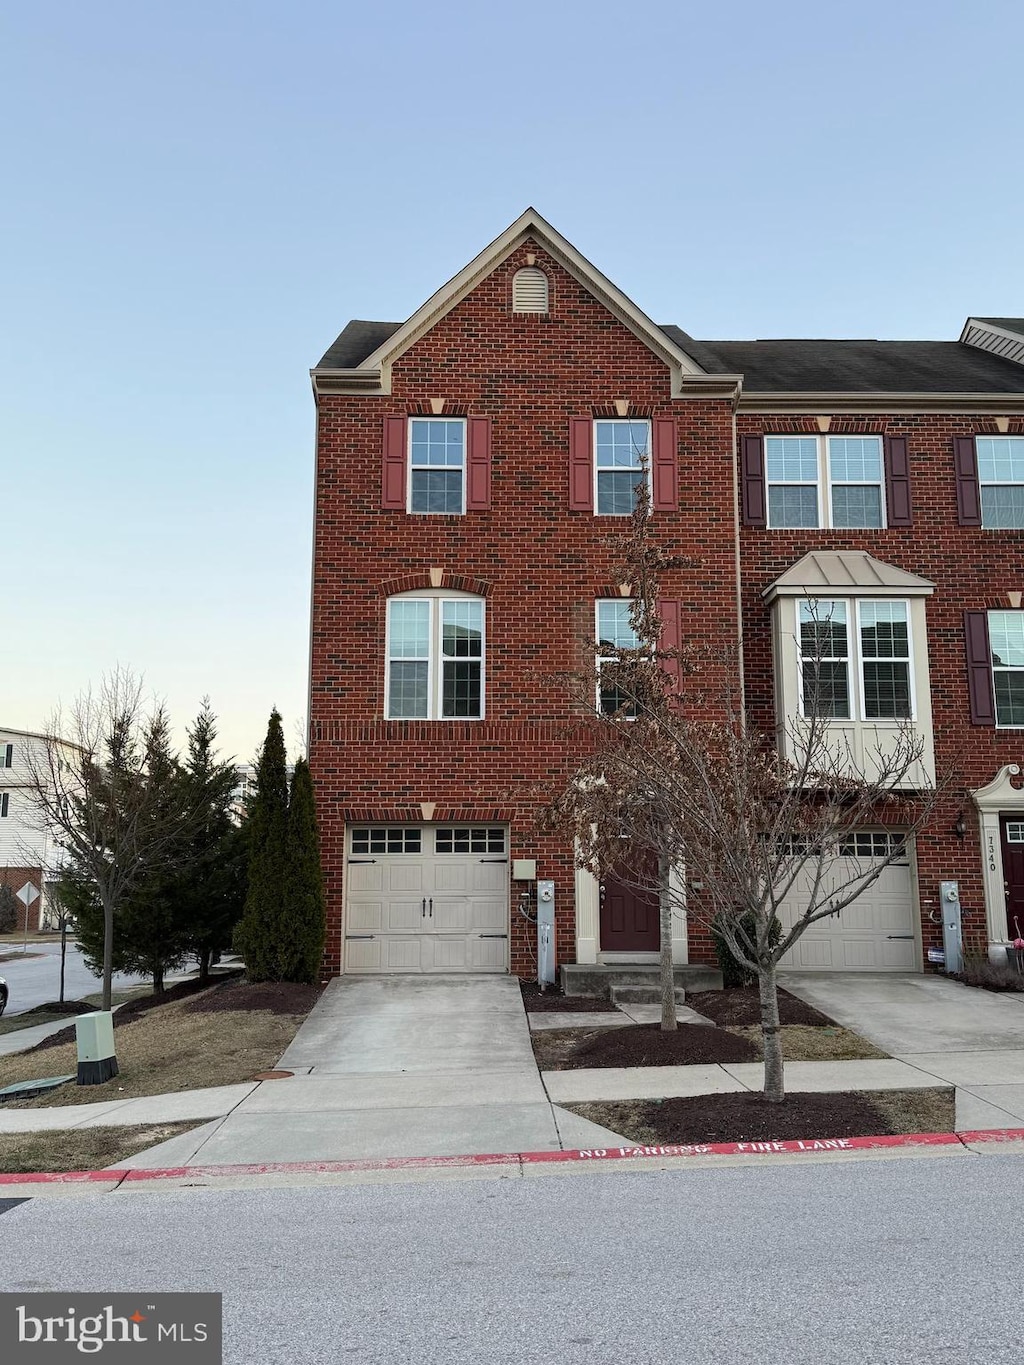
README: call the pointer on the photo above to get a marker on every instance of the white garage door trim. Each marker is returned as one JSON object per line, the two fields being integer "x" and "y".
{"x": 426, "y": 898}
{"x": 878, "y": 932}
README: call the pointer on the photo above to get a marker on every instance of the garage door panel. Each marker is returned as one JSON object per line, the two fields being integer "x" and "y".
{"x": 404, "y": 915}
{"x": 453, "y": 876}
{"x": 407, "y": 875}
{"x": 400, "y": 954}
{"x": 365, "y": 915}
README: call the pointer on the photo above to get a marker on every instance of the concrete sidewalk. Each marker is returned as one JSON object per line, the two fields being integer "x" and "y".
{"x": 395, "y": 1067}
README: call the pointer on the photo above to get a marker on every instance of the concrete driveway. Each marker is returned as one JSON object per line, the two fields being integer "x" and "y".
{"x": 403, "y": 1066}
{"x": 969, "y": 1038}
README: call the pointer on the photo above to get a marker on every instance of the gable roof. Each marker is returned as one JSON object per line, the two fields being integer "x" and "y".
{"x": 365, "y": 351}
{"x": 846, "y": 571}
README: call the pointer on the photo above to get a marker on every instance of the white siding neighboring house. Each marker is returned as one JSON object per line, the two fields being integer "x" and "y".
{"x": 27, "y": 854}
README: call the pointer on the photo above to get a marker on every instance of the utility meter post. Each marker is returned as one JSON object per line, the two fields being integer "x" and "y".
{"x": 545, "y": 932}
{"x": 952, "y": 937}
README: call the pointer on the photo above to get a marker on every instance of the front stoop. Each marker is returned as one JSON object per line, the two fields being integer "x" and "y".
{"x": 597, "y": 980}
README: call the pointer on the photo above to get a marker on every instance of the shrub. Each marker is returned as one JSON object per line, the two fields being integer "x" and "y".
{"x": 8, "y": 910}
{"x": 734, "y": 974}
{"x": 989, "y": 976}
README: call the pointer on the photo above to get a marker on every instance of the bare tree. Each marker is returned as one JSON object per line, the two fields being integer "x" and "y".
{"x": 94, "y": 783}
{"x": 759, "y": 825}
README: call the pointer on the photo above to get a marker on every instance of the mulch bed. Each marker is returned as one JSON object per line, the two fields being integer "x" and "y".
{"x": 742, "y": 1006}
{"x": 62, "y": 1007}
{"x": 538, "y": 1001}
{"x": 748, "y": 1117}
{"x": 639, "y": 1045}
{"x": 278, "y": 997}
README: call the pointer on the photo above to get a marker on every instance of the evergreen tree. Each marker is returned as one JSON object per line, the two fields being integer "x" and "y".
{"x": 151, "y": 928}
{"x": 262, "y": 936}
{"x": 211, "y": 890}
{"x": 8, "y": 909}
{"x": 304, "y": 889}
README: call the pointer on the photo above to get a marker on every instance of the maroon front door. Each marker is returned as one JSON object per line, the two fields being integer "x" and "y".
{"x": 1012, "y": 828}
{"x": 629, "y": 918}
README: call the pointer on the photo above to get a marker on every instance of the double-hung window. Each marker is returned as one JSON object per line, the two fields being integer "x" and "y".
{"x": 5, "y": 801}
{"x": 1006, "y": 636}
{"x": 855, "y": 661}
{"x": 614, "y": 631}
{"x": 437, "y": 465}
{"x": 6, "y": 755}
{"x": 622, "y": 454}
{"x": 1001, "y": 481}
{"x": 435, "y": 658}
{"x": 825, "y": 481}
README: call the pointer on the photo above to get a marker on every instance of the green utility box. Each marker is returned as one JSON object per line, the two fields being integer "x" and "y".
{"x": 95, "y": 1035}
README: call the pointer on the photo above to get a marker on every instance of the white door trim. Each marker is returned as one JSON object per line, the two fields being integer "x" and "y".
{"x": 999, "y": 797}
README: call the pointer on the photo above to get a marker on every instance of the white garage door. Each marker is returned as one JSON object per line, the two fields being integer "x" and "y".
{"x": 876, "y": 932}
{"x": 427, "y": 898}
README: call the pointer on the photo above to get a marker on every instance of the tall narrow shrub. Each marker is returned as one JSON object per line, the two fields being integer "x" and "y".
{"x": 304, "y": 888}
{"x": 262, "y": 936}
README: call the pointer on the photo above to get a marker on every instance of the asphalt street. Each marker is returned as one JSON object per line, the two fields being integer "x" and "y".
{"x": 35, "y": 980}
{"x": 863, "y": 1263}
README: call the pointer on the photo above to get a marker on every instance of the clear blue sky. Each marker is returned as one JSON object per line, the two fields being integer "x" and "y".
{"x": 197, "y": 197}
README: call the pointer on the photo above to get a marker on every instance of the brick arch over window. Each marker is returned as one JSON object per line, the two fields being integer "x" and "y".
{"x": 423, "y": 582}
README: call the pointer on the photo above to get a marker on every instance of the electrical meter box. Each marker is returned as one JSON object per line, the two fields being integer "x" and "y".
{"x": 545, "y": 932}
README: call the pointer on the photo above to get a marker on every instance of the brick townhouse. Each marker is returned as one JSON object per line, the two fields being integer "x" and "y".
{"x": 474, "y": 464}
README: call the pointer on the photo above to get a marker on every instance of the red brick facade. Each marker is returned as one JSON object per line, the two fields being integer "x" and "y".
{"x": 540, "y": 567}
{"x": 15, "y": 878}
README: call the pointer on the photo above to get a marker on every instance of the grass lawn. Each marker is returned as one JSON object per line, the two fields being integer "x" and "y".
{"x": 80, "y": 1149}
{"x": 17, "y": 956}
{"x": 747, "y": 1117}
{"x": 218, "y": 1036}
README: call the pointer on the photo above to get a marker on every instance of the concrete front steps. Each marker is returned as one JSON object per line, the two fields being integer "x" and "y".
{"x": 601, "y": 979}
{"x": 643, "y": 995}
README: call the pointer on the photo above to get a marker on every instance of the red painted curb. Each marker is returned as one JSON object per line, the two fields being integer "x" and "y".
{"x": 582, "y": 1155}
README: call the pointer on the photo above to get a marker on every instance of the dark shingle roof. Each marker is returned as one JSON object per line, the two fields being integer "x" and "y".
{"x": 357, "y": 341}
{"x": 1007, "y": 324}
{"x": 795, "y": 366}
{"x": 866, "y": 367}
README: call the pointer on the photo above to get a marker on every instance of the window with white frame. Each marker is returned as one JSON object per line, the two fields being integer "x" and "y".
{"x": 437, "y": 465}
{"x": 614, "y": 631}
{"x": 822, "y": 481}
{"x": 855, "y": 661}
{"x": 435, "y": 657}
{"x": 1006, "y": 639}
{"x": 6, "y": 755}
{"x": 1001, "y": 481}
{"x": 622, "y": 449}
{"x": 5, "y": 801}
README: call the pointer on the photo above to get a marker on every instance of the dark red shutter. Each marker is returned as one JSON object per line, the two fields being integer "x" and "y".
{"x": 581, "y": 464}
{"x": 392, "y": 497}
{"x": 968, "y": 494}
{"x": 670, "y": 612}
{"x": 478, "y": 464}
{"x": 979, "y": 668}
{"x": 665, "y": 468}
{"x": 755, "y": 505}
{"x": 897, "y": 482}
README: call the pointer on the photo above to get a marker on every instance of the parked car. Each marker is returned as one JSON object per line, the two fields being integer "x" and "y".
{"x": 3, "y": 995}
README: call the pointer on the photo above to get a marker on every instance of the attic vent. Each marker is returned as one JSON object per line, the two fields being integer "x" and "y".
{"x": 530, "y": 291}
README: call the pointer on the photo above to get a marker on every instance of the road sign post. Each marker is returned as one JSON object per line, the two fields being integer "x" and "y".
{"x": 28, "y": 895}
